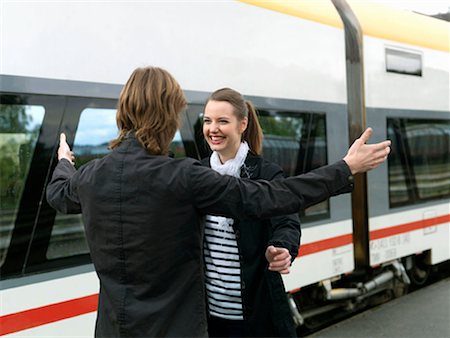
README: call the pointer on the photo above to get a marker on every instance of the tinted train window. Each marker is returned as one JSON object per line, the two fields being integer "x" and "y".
{"x": 177, "y": 147}
{"x": 19, "y": 130}
{"x": 95, "y": 129}
{"x": 419, "y": 164}
{"x": 296, "y": 142}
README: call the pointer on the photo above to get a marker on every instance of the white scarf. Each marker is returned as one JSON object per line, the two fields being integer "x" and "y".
{"x": 231, "y": 167}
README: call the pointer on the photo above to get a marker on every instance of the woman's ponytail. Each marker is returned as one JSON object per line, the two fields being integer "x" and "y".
{"x": 253, "y": 135}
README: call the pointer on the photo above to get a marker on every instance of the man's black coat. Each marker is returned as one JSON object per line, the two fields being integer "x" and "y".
{"x": 142, "y": 220}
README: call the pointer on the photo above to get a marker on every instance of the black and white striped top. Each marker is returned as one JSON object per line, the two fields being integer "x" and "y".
{"x": 223, "y": 269}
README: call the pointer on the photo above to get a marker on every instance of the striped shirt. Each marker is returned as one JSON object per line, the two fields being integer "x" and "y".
{"x": 222, "y": 268}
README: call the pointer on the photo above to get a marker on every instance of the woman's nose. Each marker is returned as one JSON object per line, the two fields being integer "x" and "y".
{"x": 214, "y": 127}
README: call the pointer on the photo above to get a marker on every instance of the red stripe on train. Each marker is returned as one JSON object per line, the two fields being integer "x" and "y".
{"x": 325, "y": 244}
{"x": 399, "y": 229}
{"x": 331, "y": 243}
{"x": 47, "y": 314}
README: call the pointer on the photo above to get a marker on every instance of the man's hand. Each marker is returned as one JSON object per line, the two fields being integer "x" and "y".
{"x": 279, "y": 259}
{"x": 362, "y": 157}
{"x": 64, "y": 149}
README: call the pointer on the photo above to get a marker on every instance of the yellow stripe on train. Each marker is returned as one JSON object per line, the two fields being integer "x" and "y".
{"x": 376, "y": 20}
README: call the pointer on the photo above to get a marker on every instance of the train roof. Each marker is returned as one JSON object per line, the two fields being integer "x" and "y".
{"x": 376, "y": 20}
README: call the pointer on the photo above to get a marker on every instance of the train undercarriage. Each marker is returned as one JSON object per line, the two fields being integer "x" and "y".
{"x": 317, "y": 306}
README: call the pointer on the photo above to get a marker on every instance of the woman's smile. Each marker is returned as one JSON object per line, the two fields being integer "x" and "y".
{"x": 216, "y": 139}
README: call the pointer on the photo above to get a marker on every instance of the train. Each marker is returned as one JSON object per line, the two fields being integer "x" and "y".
{"x": 319, "y": 72}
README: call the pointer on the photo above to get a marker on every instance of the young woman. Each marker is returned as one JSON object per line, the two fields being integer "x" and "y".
{"x": 246, "y": 296}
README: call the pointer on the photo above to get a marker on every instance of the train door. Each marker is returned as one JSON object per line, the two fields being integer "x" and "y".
{"x": 407, "y": 96}
{"x": 409, "y": 196}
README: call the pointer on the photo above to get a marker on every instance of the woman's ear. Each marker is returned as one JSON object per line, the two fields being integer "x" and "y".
{"x": 244, "y": 124}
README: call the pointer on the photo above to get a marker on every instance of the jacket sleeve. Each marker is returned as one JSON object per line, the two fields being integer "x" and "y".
{"x": 61, "y": 191}
{"x": 228, "y": 196}
{"x": 286, "y": 230}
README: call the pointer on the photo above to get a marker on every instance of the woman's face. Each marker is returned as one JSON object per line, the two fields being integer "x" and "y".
{"x": 222, "y": 129}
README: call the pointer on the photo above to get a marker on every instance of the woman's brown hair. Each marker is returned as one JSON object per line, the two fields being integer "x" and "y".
{"x": 150, "y": 105}
{"x": 253, "y": 135}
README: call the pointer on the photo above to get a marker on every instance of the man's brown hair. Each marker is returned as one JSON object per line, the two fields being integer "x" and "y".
{"x": 150, "y": 105}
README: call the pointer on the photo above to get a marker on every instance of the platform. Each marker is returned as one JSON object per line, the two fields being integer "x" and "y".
{"x": 423, "y": 313}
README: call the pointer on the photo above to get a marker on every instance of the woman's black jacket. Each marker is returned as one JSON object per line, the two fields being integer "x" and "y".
{"x": 142, "y": 216}
{"x": 265, "y": 305}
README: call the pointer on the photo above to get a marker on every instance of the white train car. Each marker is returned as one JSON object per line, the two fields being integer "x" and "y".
{"x": 318, "y": 72}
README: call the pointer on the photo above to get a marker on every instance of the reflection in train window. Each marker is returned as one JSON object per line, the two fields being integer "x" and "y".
{"x": 97, "y": 127}
{"x": 296, "y": 142}
{"x": 419, "y": 164}
{"x": 176, "y": 147}
{"x": 19, "y": 130}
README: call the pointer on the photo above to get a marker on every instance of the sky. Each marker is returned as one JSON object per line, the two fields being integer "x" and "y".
{"x": 422, "y": 6}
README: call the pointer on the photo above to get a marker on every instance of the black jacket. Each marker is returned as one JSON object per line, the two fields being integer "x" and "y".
{"x": 265, "y": 305}
{"x": 142, "y": 219}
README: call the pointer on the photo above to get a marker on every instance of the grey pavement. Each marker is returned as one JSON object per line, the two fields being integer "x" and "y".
{"x": 424, "y": 313}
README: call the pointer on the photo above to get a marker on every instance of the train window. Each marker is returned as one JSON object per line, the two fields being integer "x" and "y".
{"x": 177, "y": 147}
{"x": 297, "y": 142}
{"x": 95, "y": 129}
{"x": 419, "y": 165}
{"x": 403, "y": 62}
{"x": 19, "y": 130}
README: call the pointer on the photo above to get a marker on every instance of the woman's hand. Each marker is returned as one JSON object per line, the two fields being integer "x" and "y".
{"x": 64, "y": 150}
{"x": 362, "y": 157}
{"x": 279, "y": 259}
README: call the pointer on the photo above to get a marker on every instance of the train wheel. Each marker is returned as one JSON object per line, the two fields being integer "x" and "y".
{"x": 400, "y": 288}
{"x": 417, "y": 269}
